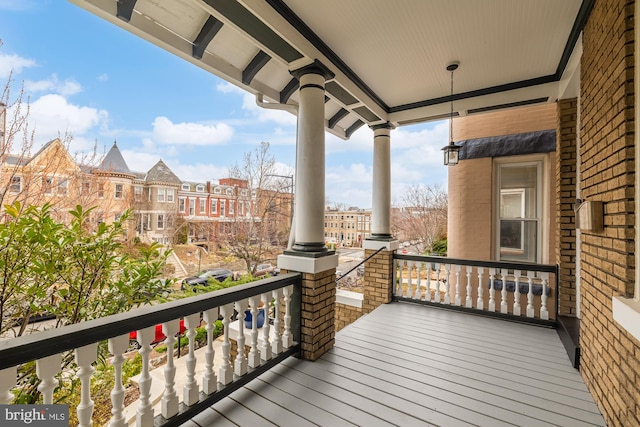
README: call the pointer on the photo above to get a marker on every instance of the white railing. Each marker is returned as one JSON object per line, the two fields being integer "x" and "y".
{"x": 275, "y": 343}
{"x": 524, "y": 291}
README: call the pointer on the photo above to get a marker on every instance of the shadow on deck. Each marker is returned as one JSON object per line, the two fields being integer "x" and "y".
{"x": 411, "y": 365}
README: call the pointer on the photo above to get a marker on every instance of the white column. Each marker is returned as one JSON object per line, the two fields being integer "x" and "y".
{"x": 310, "y": 161}
{"x": 381, "y": 206}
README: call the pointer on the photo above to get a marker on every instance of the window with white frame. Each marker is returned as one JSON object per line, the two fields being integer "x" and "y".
{"x": 217, "y": 190}
{"x": 186, "y": 187}
{"x": 200, "y": 188}
{"x": 101, "y": 190}
{"x": 63, "y": 187}
{"x": 229, "y": 192}
{"x": 16, "y": 184}
{"x": 192, "y": 207}
{"x": 47, "y": 185}
{"x": 231, "y": 207}
{"x": 162, "y": 194}
{"x": 214, "y": 206}
{"x": 160, "y": 221}
{"x": 170, "y": 195}
{"x": 222, "y": 206}
{"x": 203, "y": 206}
{"x": 519, "y": 211}
{"x": 118, "y": 192}
{"x": 181, "y": 204}
{"x": 137, "y": 193}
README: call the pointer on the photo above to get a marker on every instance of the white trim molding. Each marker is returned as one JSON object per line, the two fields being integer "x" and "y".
{"x": 626, "y": 312}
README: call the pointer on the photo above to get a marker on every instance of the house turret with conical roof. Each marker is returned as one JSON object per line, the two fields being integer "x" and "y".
{"x": 114, "y": 164}
{"x": 114, "y": 185}
{"x": 157, "y": 217}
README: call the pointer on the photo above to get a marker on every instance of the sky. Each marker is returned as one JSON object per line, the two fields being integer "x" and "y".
{"x": 85, "y": 77}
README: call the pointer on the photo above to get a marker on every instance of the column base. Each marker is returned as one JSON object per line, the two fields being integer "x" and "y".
{"x": 380, "y": 236}
{"x": 375, "y": 244}
{"x": 305, "y": 262}
{"x": 310, "y": 247}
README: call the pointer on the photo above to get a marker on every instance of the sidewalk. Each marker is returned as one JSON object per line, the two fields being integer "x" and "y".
{"x": 157, "y": 379}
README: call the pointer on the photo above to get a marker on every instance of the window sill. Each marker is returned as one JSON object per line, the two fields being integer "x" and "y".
{"x": 626, "y": 312}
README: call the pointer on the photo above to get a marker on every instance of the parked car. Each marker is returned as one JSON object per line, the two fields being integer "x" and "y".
{"x": 219, "y": 274}
{"x": 159, "y": 335}
{"x": 265, "y": 270}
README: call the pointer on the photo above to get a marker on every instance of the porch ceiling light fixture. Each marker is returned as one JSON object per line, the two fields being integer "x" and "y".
{"x": 451, "y": 151}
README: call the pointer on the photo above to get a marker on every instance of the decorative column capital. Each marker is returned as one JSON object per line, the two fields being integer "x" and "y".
{"x": 316, "y": 67}
{"x": 382, "y": 126}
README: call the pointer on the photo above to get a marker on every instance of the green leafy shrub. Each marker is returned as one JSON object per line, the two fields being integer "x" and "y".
{"x": 440, "y": 247}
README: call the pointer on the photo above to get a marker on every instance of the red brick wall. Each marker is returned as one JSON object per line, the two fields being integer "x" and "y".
{"x": 610, "y": 356}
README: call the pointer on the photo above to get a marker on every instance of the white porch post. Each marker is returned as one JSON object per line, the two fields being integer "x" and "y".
{"x": 310, "y": 163}
{"x": 381, "y": 207}
{"x": 309, "y": 254}
{"x": 378, "y": 271}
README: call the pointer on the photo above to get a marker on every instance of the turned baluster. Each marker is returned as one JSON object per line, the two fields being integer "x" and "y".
{"x": 169, "y": 406}
{"x": 144, "y": 415}
{"x": 117, "y": 346}
{"x": 191, "y": 390}
{"x": 226, "y": 370}
{"x": 46, "y": 370}
{"x": 254, "y": 352}
{"x": 209, "y": 380}
{"x": 84, "y": 357}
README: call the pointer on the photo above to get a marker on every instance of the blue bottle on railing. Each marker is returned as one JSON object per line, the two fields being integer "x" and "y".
{"x": 248, "y": 318}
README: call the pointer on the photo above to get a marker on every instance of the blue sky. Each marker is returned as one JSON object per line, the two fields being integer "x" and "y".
{"x": 100, "y": 83}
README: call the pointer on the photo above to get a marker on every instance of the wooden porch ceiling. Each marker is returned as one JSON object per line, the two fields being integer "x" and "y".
{"x": 389, "y": 58}
{"x": 411, "y": 365}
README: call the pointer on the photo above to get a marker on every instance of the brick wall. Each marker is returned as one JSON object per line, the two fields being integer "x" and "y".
{"x": 470, "y": 205}
{"x": 505, "y": 122}
{"x": 610, "y": 356}
{"x": 378, "y": 275}
{"x": 565, "y": 183}
{"x": 346, "y": 315}
{"x": 318, "y": 313}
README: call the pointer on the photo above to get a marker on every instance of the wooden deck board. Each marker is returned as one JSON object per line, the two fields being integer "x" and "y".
{"x": 411, "y": 365}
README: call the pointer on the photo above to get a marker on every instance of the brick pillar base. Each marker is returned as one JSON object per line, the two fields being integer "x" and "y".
{"x": 317, "y": 333}
{"x": 378, "y": 279}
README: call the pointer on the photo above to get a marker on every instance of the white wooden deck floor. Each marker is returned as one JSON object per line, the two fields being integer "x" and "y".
{"x": 410, "y": 365}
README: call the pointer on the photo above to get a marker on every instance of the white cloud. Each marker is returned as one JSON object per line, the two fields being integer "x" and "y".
{"x": 349, "y": 184}
{"x": 17, "y": 5}
{"x": 103, "y": 77}
{"x": 226, "y": 87}
{"x": 52, "y": 115}
{"x": 167, "y": 132}
{"x": 13, "y": 62}
{"x": 66, "y": 88}
{"x": 200, "y": 172}
{"x": 281, "y": 117}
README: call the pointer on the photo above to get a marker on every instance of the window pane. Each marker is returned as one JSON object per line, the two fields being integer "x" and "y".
{"x": 518, "y": 213}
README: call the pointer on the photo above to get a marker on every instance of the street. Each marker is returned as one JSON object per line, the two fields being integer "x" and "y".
{"x": 349, "y": 258}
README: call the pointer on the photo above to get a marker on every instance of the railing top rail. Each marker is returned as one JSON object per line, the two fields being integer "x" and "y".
{"x": 546, "y": 268}
{"x": 15, "y": 351}
{"x": 359, "y": 264}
